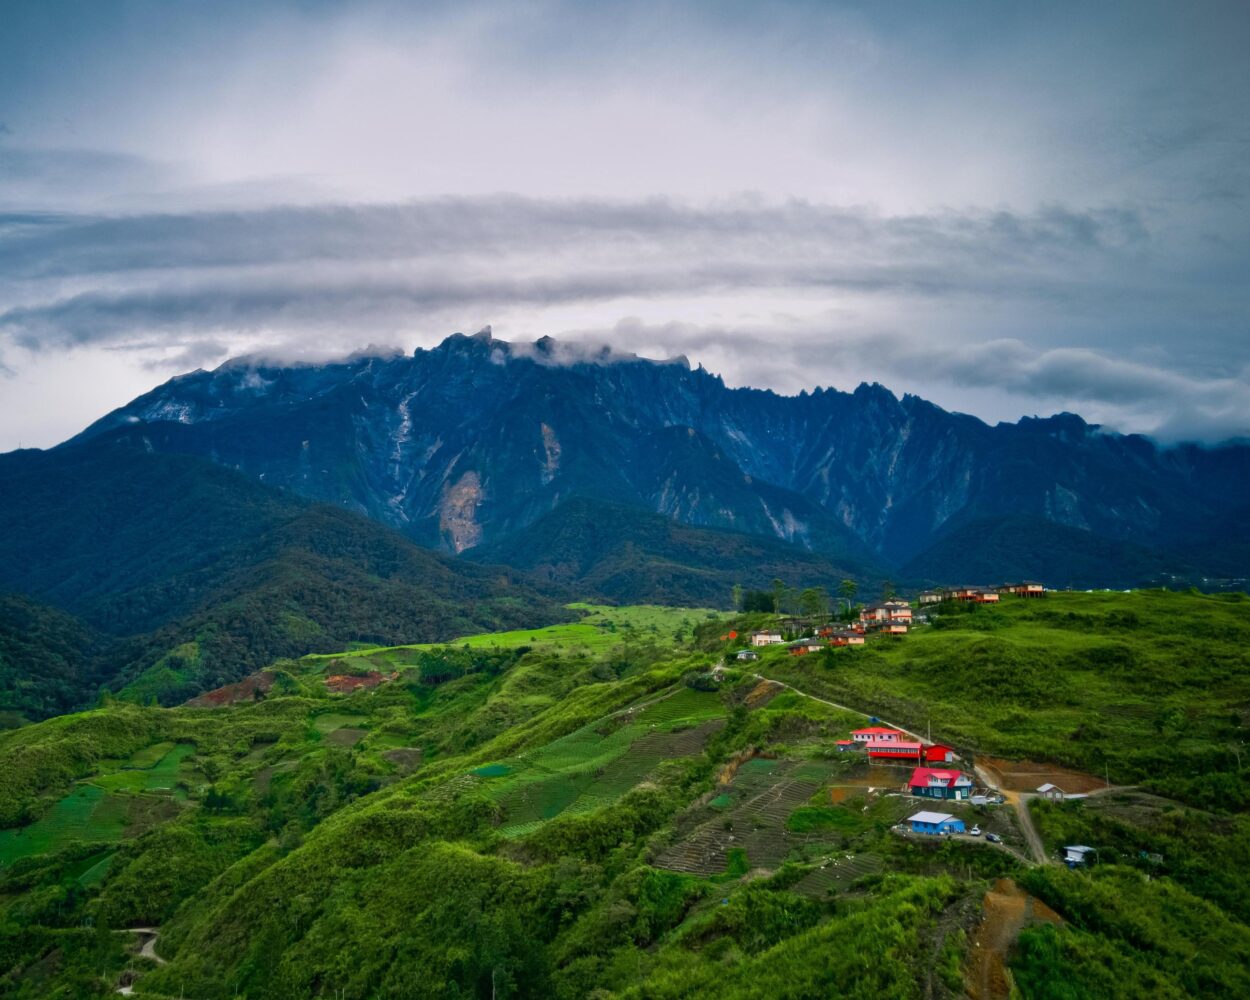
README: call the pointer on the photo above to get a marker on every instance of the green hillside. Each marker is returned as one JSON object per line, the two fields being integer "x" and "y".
{"x": 208, "y": 576}
{"x": 591, "y": 810}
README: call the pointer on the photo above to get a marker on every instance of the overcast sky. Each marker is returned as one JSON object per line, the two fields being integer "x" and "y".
{"x": 1008, "y": 208}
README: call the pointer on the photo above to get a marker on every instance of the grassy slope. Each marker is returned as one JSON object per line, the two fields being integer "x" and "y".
{"x": 528, "y": 851}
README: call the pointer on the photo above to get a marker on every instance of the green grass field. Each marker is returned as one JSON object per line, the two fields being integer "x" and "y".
{"x": 153, "y": 769}
{"x": 602, "y": 628}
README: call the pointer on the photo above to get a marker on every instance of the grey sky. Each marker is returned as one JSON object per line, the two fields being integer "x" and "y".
{"x": 1006, "y": 208}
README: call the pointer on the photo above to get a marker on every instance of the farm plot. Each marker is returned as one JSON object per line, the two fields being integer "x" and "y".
{"x": 157, "y": 768}
{"x": 597, "y": 764}
{"x": 836, "y": 873}
{"x": 88, "y": 814}
{"x": 328, "y": 722}
{"x": 751, "y": 815}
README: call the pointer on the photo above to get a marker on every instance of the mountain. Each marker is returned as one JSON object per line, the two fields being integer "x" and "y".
{"x": 631, "y": 556}
{"x": 197, "y": 574}
{"x": 473, "y": 440}
{"x": 998, "y": 550}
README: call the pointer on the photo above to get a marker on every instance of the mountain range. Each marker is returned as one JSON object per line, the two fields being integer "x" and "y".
{"x": 476, "y": 440}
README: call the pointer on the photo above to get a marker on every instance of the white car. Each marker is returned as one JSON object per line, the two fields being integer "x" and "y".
{"x": 975, "y": 831}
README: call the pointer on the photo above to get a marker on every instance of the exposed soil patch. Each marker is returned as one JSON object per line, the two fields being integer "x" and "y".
{"x": 1007, "y": 910}
{"x": 1027, "y": 775}
{"x": 251, "y": 688}
{"x": 347, "y": 683}
{"x": 763, "y": 692}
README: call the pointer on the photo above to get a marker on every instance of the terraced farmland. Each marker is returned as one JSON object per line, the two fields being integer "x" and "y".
{"x": 597, "y": 764}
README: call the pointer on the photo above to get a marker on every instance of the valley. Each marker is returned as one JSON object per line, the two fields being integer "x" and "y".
{"x": 620, "y": 804}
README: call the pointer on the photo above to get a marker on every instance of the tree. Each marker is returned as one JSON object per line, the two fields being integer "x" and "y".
{"x": 737, "y": 597}
{"x": 813, "y": 602}
{"x": 848, "y": 589}
{"x": 759, "y": 601}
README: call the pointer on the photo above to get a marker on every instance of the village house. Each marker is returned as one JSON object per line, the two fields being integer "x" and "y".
{"x": 930, "y": 597}
{"x": 935, "y": 823}
{"x": 1079, "y": 854}
{"x": 766, "y": 637}
{"x": 1028, "y": 588}
{"x": 974, "y": 595}
{"x": 935, "y": 783}
{"x": 747, "y": 656}
{"x": 1051, "y": 792}
{"x": 846, "y": 639}
{"x": 892, "y": 628}
{"x": 845, "y": 746}
{"x": 939, "y": 753}
{"x": 876, "y": 734}
{"x": 886, "y": 611}
{"x": 802, "y": 647}
{"x": 897, "y": 750}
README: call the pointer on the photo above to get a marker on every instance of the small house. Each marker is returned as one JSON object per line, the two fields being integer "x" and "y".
{"x": 893, "y": 628}
{"x": 938, "y": 783}
{"x": 1051, "y": 792}
{"x": 802, "y": 647}
{"x": 847, "y": 746}
{"x": 747, "y": 656}
{"x": 766, "y": 637}
{"x": 903, "y": 750}
{"x": 1079, "y": 854}
{"x": 935, "y": 823}
{"x": 876, "y": 734}
{"x": 846, "y": 639}
{"x": 930, "y": 597}
{"x": 1029, "y": 588}
{"x": 939, "y": 753}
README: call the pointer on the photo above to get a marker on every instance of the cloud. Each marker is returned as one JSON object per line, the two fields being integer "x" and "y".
{"x": 939, "y": 297}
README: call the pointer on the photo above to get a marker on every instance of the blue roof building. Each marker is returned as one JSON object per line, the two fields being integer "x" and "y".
{"x": 935, "y": 823}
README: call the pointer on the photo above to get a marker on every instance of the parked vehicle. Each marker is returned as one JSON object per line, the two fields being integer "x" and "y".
{"x": 993, "y": 838}
{"x": 975, "y": 831}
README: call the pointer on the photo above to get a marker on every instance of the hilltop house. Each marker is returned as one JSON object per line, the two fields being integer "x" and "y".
{"x": 904, "y": 750}
{"x": 935, "y": 783}
{"x": 1079, "y": 854}
{"x": 876, "y": 734}
{"x": 975, "y": 595}
{"x": 1029, "y": 588}
{"x": 892, "y": 628}
{"x": 935, "y": 823}
{"x": 747, "y": 656}
{"x": 802, "y": 647}
{"x": 930, "y": 597}
{"x": 766, "y": 637}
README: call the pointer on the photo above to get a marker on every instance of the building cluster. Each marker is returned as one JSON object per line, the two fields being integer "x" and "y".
{"x": 982, "y": 595}
{"x": 890, "y": 617}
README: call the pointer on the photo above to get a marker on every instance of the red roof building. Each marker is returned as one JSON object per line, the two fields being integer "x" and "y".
{"x": 896, "y": 750}
{"x": 876, "y": 734}
{"x": 939, "y": 783}
{"x": 939, "y": 753}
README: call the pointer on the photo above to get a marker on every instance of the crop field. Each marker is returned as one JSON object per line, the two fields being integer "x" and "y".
{"x": 153, "y": 769}
{"x": 88, "y": 813}
{"x": 328, "y": 722}
{"x": 597, "y": 764}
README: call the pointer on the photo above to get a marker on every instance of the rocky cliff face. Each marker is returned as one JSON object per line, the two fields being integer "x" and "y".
{"x": 477, "y": 438}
